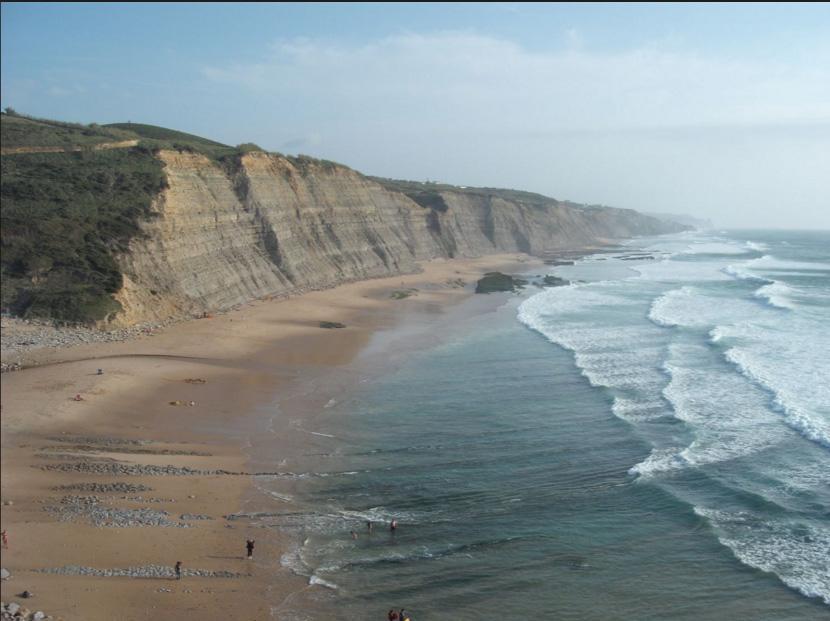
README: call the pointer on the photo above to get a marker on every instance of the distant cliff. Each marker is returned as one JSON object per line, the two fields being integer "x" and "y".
{"x": 227, "y": 226}
{"x": 275, "y": 225}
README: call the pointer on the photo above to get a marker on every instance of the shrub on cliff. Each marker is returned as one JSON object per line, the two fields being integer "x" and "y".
{"x": 64, "y": 218}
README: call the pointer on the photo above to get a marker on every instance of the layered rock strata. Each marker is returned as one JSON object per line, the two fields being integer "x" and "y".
{"x": 269, "y": 225}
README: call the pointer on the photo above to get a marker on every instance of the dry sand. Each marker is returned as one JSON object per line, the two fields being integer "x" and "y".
{"x": 248, "y": 358}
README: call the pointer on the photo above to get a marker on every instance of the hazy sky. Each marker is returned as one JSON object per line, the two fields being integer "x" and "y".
{"x": 719, "y": 111}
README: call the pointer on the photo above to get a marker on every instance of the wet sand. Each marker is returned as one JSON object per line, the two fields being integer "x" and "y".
{"x": 251, "y": 358}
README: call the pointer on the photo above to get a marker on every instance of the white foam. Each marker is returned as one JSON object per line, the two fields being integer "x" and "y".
{"x": 777, "y": 294}
{"x": 740, "y": 272}
{"x": 727, "y": 416}
{"x": 798, "y": 400}
{"x": 660, "y": 461}
{"x": 769, "y": 262}
{"x": 690, "y": 307}
{"x": 797, "y": 552}
{"x": 757, "y": 246}
{"x": 789, "y": 359}
{"x": 717, "y": 247}
{"x": 671, "y": 271}
{"x": 316, "y": 580}
{"x": 625, "y": 358}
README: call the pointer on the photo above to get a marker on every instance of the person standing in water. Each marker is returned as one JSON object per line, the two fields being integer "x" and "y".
{"x": 178, "y": 570}
{"x": 249, "y": 544}
{"x": 393, "y": 525}
{"x": 369, "y": 526}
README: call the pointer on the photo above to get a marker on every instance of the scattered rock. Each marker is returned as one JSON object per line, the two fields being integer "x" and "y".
{"x": 554, "y": 281}
{"x": 332, "y": 324}
{"x": 104, "y": 488}
{"x": 195, "y": 380}
{"x": 20, "y": 336}
{"x": 91, "y": 509}
{"x": 4, "y": 574}
{"x": 194, "y": 516}
{"x": 142, "y": 571}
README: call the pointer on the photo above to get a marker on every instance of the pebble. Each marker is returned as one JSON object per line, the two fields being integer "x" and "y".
{"x": 142, "y": 571}
{"x": 194, "y": 516}
{"x": 20, "y": 336}
{"x": 91, "y": 509}
{"x": 120, "y": 469}
{"x": 104, "y": 488}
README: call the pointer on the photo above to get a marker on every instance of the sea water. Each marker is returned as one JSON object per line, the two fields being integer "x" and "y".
{"x": 651, "y": 441}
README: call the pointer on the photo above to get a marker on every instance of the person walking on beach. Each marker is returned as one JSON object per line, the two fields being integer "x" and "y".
{"x": 178, "y": 570}
{"x": 5, "y": 538}
{"x": 249, "y": 544}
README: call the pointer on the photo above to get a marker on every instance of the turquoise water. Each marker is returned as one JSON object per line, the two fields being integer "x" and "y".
{"x": 651, "y": 442}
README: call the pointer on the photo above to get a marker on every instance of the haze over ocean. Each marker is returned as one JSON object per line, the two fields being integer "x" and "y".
{"x": 650, "y": 442}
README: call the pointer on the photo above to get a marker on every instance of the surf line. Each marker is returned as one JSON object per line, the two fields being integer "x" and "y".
{"x": 316, "y": 433}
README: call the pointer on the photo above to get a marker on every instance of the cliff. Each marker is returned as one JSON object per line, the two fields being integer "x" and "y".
{"x": 128, "y": 223}
{"x": 274, "y": 225}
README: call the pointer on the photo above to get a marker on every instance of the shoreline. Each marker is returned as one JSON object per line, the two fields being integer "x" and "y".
{"x": 250, "y": 358}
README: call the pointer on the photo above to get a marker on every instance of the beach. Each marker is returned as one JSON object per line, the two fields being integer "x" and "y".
{"x": 109, "y": 479}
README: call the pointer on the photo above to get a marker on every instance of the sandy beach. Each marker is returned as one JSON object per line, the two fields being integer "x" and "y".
{"x": 94, "y": 490}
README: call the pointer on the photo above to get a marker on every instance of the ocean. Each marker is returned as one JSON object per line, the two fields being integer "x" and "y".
{"x": 651, "y": 441}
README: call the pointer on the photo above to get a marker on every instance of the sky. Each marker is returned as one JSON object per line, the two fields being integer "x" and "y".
{"x": 717, "y": 111}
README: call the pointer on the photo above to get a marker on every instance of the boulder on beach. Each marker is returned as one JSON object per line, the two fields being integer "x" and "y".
{"x": 496, "y": 281}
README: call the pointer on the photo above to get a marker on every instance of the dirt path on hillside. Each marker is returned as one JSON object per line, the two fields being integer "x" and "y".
{"x": 104, "y": 146}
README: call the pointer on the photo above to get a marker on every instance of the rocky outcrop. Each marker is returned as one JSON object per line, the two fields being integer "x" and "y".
{"x": 269, "y": 225}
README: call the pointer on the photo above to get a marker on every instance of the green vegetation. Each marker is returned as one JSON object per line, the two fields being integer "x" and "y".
{"x": 64, "y": 217}
{"x": 67, "y": 215}
{"x": 493, "y": 282}
{"x": 428, "y": 194}
{"x": 155, "y": 137}
{"x": 304, "y": 162}
{"x": 22, "y": 131}
{"x": 402, "y": 294}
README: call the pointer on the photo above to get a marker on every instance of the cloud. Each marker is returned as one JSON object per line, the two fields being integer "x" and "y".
{"x": 656, "y": 127}
{"x": 477, "y": 82}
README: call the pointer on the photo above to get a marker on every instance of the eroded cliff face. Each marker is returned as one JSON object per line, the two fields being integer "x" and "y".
{"x": 270, "y": 225}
